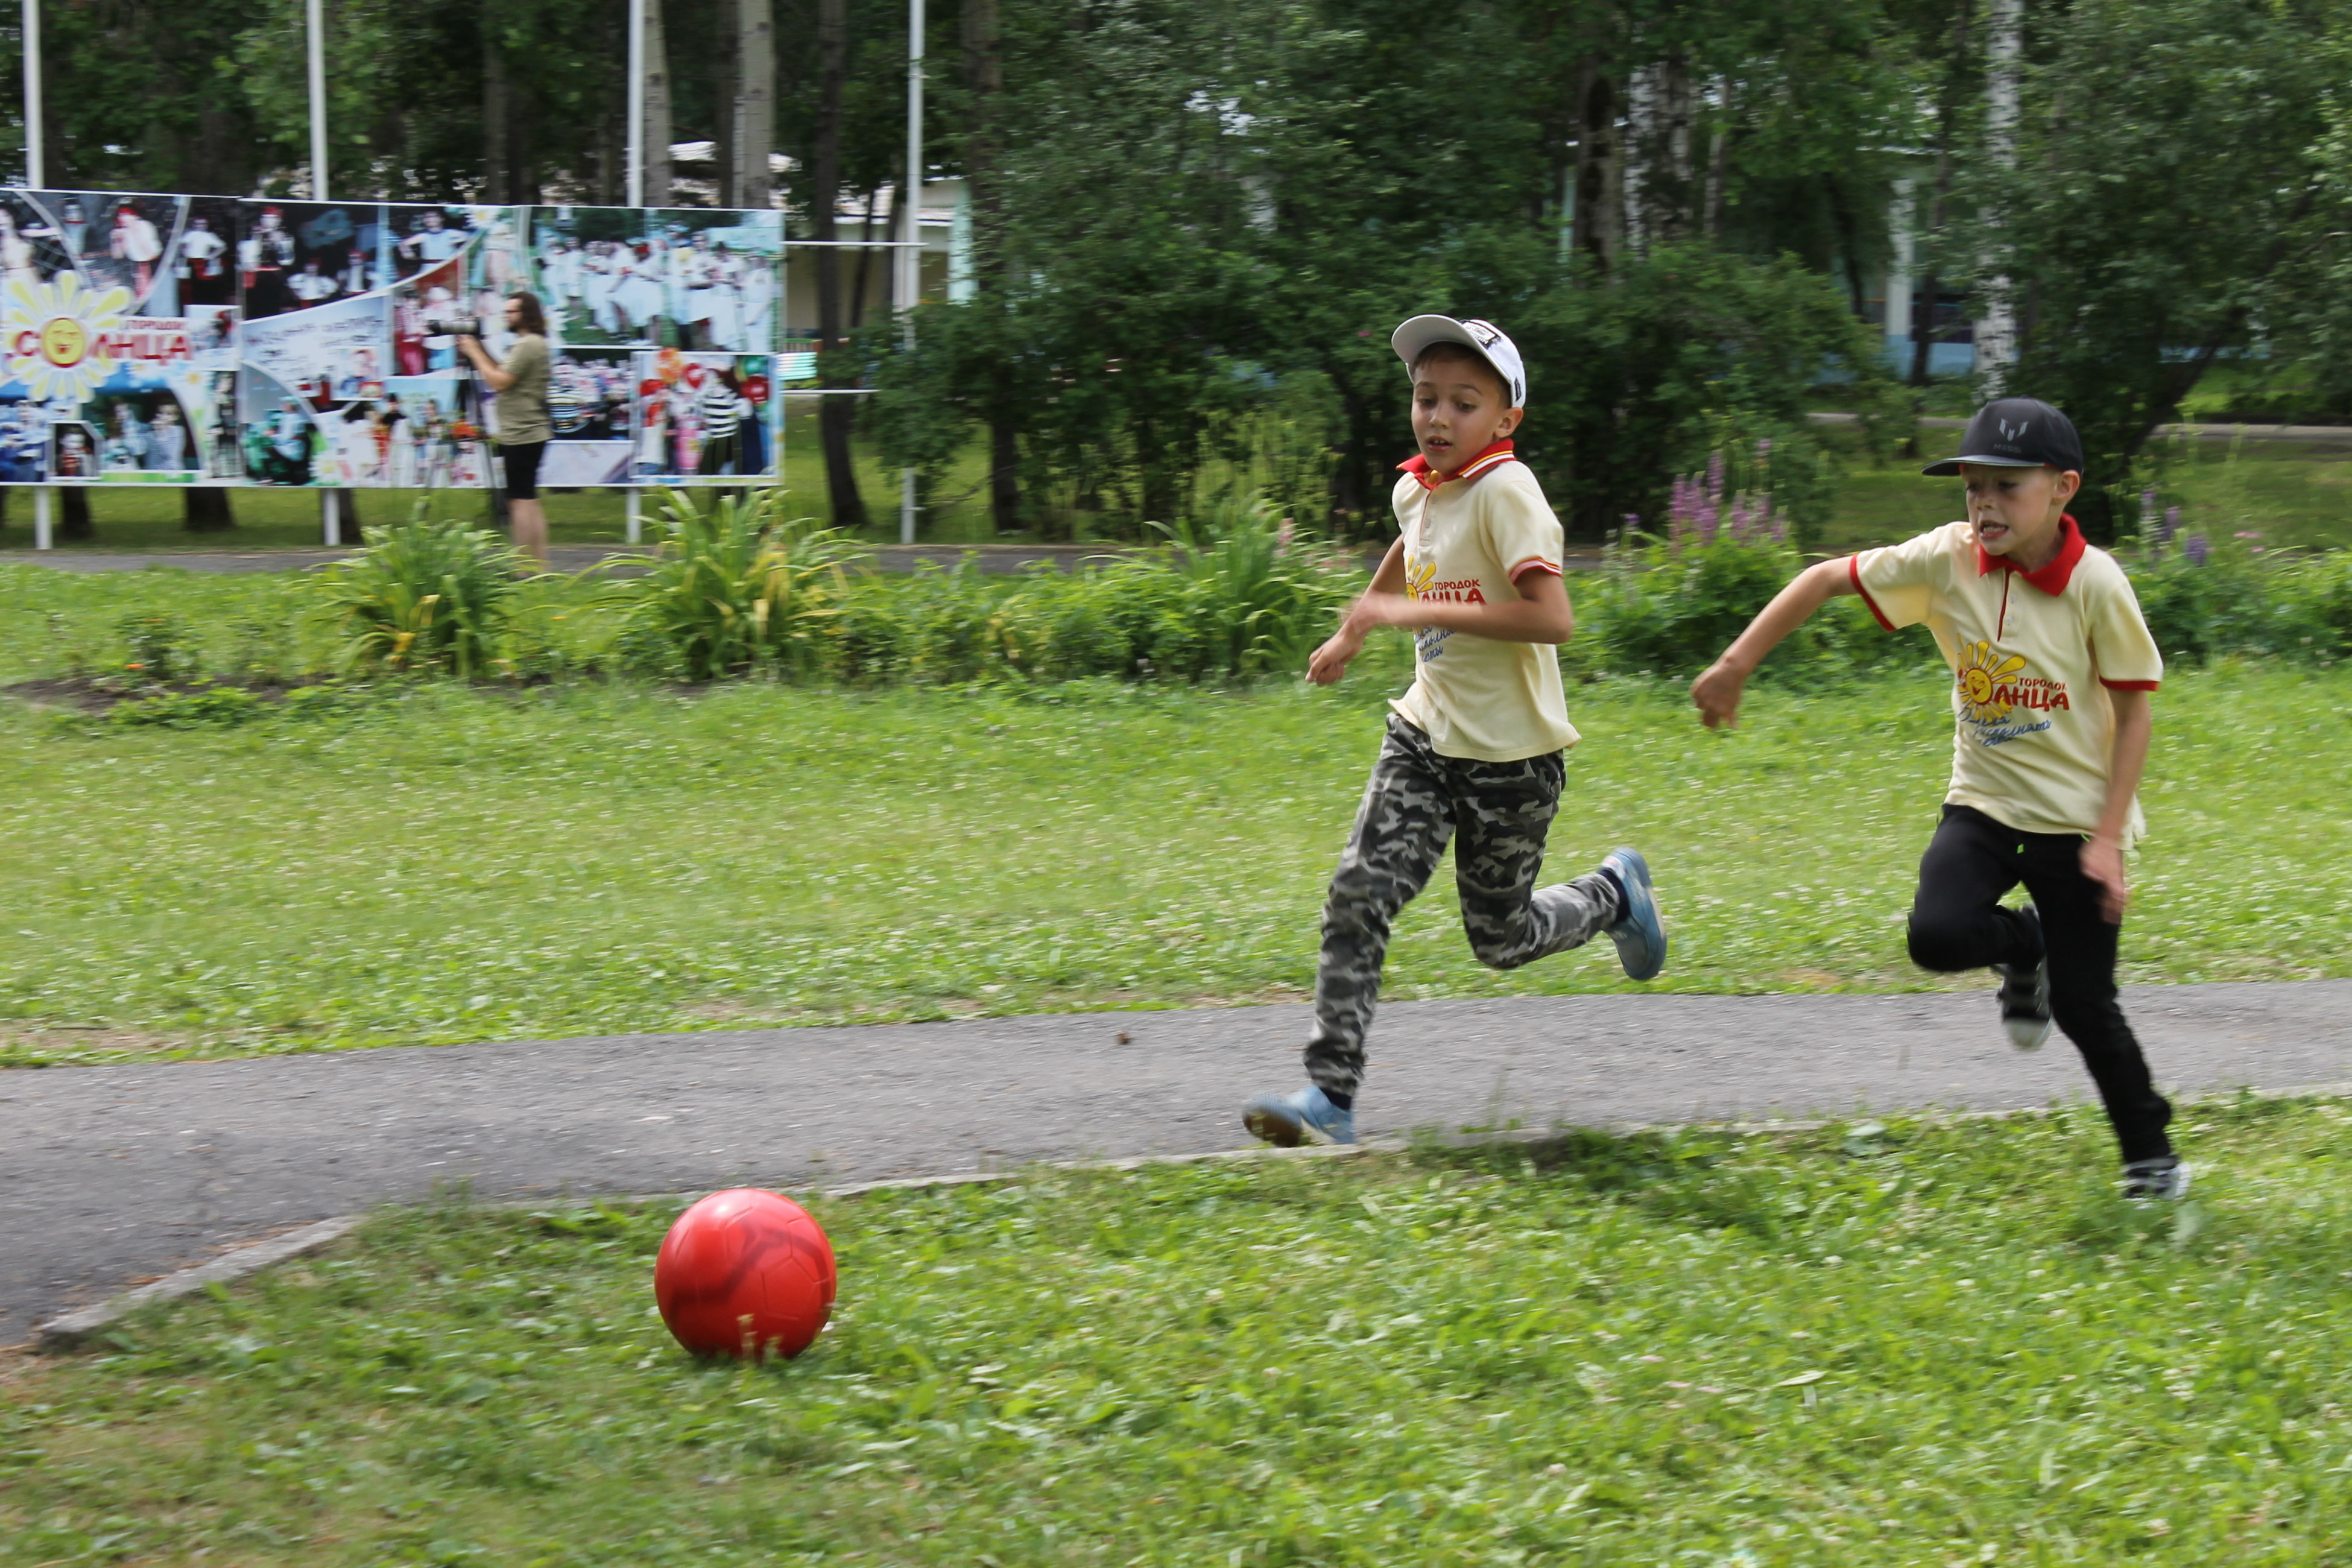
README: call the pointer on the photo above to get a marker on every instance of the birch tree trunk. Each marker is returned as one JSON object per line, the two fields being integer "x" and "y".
{"x": 755, "y": 130}
{"x": 1641, "y": 142}
{"x": 1996, "y": 329}
{"x": 657, "y": 127}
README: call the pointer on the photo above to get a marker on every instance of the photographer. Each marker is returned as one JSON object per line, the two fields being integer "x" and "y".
{"x": 523, "y": 430}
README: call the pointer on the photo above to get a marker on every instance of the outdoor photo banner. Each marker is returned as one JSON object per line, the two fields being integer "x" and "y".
{"x": 211, "y": 340}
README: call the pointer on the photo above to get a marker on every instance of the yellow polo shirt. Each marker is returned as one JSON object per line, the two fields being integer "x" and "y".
{"x": 2033, "y": 656}
{"x": 1468, "y": 537}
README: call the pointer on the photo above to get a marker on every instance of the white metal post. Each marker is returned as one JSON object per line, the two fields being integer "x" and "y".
{"x": 910, "y": 206}
{"x": 637, "y": 121}
{"x": 636, "y": 180}
{"x": 330, "y": 520}
{"x": 32, "y": 169}
{"x": 41, "y": 517}
{"x": 317, "y": 102}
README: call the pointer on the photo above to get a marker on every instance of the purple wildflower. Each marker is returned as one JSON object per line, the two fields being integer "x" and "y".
{"x": 2196, "y": 547}
{"x": 2171, "y": 525}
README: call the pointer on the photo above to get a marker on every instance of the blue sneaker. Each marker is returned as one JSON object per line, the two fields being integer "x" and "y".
{"x": 1641, "y": 940}
{"x": 1307, "y": 1116}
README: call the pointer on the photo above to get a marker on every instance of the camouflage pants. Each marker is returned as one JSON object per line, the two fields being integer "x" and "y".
{"x": 1415, "y": 802}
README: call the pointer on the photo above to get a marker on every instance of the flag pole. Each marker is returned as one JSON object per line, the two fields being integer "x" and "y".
{"x": 910, "y": 204}
{"x": 633, "y": 503}
{"x": 318, "y": 51}
{"x": 33, "y": 170}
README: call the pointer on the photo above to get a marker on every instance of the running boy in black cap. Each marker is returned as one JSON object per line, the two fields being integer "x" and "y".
{"x": 1475, "y": 750}
{"x": 2052, "y": 669}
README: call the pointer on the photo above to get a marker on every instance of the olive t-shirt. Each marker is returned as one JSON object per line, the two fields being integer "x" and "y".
{"x": 522, "y": 408}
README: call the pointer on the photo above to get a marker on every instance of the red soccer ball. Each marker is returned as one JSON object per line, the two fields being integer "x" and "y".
{"x": 745, "y": 1273}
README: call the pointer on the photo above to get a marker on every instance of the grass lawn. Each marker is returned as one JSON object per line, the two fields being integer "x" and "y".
{"x": 1932, "y": 1344}
{"x": 446, "y": 865}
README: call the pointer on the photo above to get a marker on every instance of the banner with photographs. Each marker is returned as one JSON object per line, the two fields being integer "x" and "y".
{"x": 205, "y": 340}
{"x": 120, "y": 325}
{"x": 703, "y": 417}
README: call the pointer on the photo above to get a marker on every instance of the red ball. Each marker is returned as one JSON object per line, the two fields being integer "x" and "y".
{"x": 745, "y": 1273}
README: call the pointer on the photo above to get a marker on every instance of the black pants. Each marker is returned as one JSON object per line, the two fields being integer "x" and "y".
{"x": 1958, "y": 922}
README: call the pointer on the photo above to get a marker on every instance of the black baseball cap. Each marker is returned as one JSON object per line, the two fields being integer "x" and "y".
{"x": 2016, "y": 433}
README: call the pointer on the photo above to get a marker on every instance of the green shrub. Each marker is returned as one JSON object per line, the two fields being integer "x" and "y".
{"x": 1665, "y": 609}
{"x": 424, "y": 595}
{"x": 160, "y": 647}
{"x": 733, "y": 587}
{"x": 211, "y": 708}
{"x": 2202, "y": 601}
{"x": 1258, "y": 597}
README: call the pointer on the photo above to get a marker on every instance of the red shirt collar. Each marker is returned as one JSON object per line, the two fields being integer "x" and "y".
{"x": 2052, "y": 577}
{"x": 1430, "y": 478}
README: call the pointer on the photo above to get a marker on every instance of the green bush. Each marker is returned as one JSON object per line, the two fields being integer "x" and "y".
{"x": 733, "y": 587}
{"x": 1661, "y": 609}
{"x": 211, "y": 708}
{"x": 160, "y": 647}
{"x": 2200, "y": 602}
{"x": 424, "y": 595}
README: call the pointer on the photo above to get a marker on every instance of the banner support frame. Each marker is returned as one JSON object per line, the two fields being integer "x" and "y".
{"x": 910, "y": 258}
{"x": 34, "y": 174}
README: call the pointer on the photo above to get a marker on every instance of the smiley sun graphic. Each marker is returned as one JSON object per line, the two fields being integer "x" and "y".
{"x": 1981, "y": 671}
{"x": 53, "y": 329}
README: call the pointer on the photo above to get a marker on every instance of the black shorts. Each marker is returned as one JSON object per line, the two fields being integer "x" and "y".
{"x": 522, "y": 459}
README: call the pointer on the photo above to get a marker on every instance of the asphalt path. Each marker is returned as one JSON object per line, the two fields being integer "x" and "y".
{"x": 111, "y": 1175}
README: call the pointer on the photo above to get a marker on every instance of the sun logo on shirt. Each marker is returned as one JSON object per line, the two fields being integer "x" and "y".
{"x": 1981, "y": 673}
{"x": 1417, "y": 579}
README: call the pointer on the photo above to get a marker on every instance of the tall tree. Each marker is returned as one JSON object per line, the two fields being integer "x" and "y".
{"x": 834, "y": 415}
{"x": 983, "y": 72}
{"x": 657, "y": 108}
{"x": 755, "y": 116}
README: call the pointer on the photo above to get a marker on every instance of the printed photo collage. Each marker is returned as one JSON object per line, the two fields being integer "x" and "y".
{"x": 214, "y": 341}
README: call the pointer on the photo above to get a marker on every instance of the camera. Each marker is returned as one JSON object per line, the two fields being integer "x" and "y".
{"x": 453, "y": 327}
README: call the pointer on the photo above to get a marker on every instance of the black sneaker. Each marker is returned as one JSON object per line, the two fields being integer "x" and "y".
{"x": 2025, "y": 994}
{"x": 2160, "y": 1180}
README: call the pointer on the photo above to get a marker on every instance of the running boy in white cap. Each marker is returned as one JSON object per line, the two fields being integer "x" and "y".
{"x": 1476, "y": 748}
{"x": 2052, "y": 669}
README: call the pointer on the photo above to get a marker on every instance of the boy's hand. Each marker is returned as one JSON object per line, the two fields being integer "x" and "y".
{"x": 1717, "y": 692}
{"x": 1327, "y": 664}
{"x": 2103, "y": 862}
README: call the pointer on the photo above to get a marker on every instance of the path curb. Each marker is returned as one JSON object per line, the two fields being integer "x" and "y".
{"x": 75, "y": 1329}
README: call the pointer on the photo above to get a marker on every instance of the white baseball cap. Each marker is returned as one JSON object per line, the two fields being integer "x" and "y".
{"x": 1483, "y": 339}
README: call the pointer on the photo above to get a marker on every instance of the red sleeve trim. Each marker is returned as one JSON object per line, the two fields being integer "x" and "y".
{"x": 2129, "y": 685}
{"x": 1853, "y": 573}
{"x": 1534, "y": 564}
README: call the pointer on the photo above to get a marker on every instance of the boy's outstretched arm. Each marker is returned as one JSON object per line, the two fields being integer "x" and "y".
{"x": 1331, "y": 661}
{"x": 1718, "y": 690}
